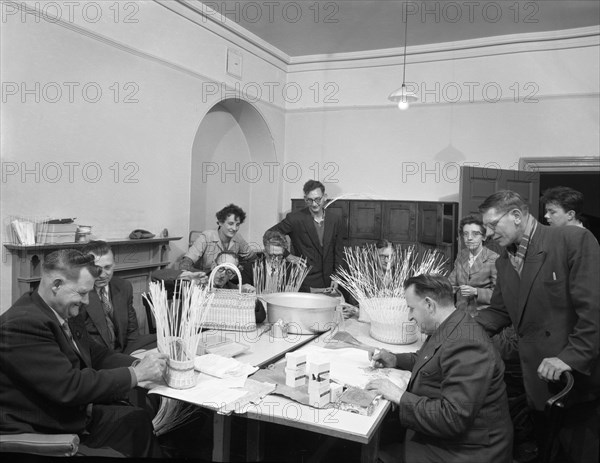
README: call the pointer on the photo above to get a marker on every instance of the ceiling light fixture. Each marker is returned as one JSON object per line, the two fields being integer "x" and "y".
{"x": 402, "y": 96}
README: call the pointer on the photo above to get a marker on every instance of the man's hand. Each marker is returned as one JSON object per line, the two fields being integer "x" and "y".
{"x": 386, "y": 388}
{"x": 292, "y": 259}
{"x": 151, "y": 368}
{"x": 197, "y": 277}
{"x": 551, "y": 368}
{"x": 382, "y": 358}
{"x": 466, "y": 290}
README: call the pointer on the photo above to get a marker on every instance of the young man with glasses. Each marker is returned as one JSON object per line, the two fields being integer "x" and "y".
{"x": 547, "y": 287}
{"x": 315, "y": 235}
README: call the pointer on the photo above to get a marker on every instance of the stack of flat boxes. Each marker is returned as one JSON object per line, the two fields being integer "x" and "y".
{"x": 58, "y": 233}
{"x": 295, "y": 371}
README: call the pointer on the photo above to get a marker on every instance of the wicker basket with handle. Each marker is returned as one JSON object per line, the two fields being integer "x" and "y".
{"x": 231, "y": 309}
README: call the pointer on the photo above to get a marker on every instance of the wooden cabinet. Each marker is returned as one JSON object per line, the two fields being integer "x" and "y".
{"x": 399, "y": 221}
{"x": 426, "y": 224}
{"x": 135, "y": 260}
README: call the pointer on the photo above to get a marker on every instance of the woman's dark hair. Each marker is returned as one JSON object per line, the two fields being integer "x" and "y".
{"x": 237, "y": 212}
{"x": 470, "y": 220}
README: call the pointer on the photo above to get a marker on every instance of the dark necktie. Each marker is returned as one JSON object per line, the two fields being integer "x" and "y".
{"x": 108, "y": 314}
{"x": 69, "y": 335}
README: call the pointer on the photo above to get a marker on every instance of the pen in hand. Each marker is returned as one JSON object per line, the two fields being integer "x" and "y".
{"x": 375, "y": 358}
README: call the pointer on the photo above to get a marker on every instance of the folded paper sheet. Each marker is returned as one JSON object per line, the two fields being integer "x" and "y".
{"x": 229, "y": 369}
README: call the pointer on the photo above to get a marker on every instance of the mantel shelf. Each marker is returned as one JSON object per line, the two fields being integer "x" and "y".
{"x": 54, "y": 247}
{"x": 135, "y": 260}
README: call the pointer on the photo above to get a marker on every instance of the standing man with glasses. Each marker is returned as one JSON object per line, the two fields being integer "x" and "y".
{"x": 547, "y": 287}
{"x": 316, "y": 236}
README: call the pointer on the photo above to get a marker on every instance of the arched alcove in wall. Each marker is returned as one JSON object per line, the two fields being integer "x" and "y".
{"x": 232, "y": 162}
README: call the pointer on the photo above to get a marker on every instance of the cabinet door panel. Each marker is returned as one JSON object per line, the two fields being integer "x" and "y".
{"x": 399, "y": 221}
{"x": 365, "y": 219}
{"x": 429, "y": 223}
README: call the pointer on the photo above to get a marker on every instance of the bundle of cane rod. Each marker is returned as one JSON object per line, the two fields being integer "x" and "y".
{"x": 272, "y": 275}
{"x": 379, "y": 289}
{"x": 178, "y": 321}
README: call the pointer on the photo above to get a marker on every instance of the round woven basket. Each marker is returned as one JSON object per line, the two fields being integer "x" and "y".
{"x": 180, "y": 375}
{"x": 389, "y": 320}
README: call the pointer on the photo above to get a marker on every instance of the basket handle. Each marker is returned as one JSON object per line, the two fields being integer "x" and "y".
{"x": 211, "y": 278}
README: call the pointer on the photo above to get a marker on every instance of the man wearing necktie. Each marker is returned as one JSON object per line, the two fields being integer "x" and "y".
{"x": 55, "y": 380}
{"x": 110, "y": 317}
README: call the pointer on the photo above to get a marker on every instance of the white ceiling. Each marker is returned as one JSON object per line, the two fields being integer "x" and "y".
{"x": 315, "y": 27}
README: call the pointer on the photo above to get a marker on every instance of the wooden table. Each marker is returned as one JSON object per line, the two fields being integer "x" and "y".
{"x": 330, "y": 422}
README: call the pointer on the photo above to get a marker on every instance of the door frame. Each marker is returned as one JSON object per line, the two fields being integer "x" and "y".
{"x": 561, "y": 164}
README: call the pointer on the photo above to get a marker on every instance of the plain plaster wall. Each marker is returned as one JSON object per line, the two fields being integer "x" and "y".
{"x": 132, "y": 162}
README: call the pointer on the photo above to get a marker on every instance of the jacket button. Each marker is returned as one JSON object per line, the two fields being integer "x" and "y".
{"x": 547, "y": 333}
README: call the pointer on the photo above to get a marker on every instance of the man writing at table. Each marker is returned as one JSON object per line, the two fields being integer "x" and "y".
{"x": 454, "y": 408}
{"x": 55, "y": 380}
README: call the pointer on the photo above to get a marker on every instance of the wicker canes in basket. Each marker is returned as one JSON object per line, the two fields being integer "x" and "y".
{"x": 389, "y": 320}
{"x": 230, "y": 308}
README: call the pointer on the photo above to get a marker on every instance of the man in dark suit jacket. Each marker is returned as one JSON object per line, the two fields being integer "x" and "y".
{"x": 547, "y": 287}
{"x": 54, "y": 380}
{"x": 455, "y": 407}
{"x": 110, "y": 317}
{"x": 315, "y": 235}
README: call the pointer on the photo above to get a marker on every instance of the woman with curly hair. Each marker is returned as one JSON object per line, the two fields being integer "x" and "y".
{"x": 210, "y": 243}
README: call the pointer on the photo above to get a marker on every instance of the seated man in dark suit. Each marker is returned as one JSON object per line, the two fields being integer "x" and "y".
{"x": 454, "y": 408}
{"x": 55, "y": 380}
{"x": 110, "y": 317}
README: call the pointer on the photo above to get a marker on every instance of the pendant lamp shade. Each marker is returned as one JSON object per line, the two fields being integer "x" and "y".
{"x": 402, "y": 96}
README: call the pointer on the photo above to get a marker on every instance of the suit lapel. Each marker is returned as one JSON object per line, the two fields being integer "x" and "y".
{"x": 309, "y": 227}
{"x": 434, "y": 342}
{"x": 96, "y": 313}
{"x": 77, "y": 327}
{"x": 328, "y": 232}
{"x": 477, "y": 264}
{"x": 119, "y": 316}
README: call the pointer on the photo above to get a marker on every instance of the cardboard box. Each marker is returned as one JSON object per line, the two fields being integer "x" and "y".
{"x": 295, "y": 377}
{"x": 295, "y": 360}
{"x": 61, "y": 227}
{"x": 56, "y": 238}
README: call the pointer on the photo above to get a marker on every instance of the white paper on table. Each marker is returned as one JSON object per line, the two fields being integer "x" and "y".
{"x": 210, "y": 392}
{"x": 352, "y": 367}
{"x": 232, "y": 371}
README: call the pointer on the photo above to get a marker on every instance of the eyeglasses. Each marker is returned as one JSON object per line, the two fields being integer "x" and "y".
{"x": 474, "y": 234}
{"x": 492, "y": 225}
{"x": 317, "y": 201}
{"x": 230, "y": 273}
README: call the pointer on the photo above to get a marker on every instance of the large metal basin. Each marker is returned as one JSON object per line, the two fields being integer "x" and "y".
{"x": 303, "y": 313}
